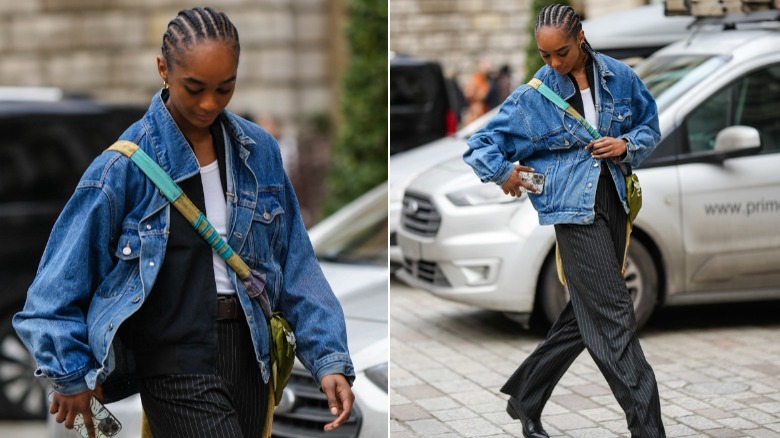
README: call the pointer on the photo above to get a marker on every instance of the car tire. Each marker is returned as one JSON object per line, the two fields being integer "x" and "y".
{"x": 22, "y": 395}
{"x": 641, "y": 279}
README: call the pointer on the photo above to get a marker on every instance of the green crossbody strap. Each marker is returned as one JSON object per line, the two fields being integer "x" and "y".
{"x": 562, "y": 104}
{"x": 252, "y": 280}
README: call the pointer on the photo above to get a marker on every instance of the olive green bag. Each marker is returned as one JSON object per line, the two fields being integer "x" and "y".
{"x": 282, "y": 339}
{"x": 633, "y": 188}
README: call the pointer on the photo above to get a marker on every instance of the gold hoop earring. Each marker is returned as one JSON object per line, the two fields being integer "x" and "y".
{"x": 165, "y": 84}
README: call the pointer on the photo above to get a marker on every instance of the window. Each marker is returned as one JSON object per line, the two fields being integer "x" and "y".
{"x": 753, "y": 100}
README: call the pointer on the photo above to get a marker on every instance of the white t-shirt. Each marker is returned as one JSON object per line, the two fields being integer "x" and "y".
{"x": 589, "y": 107}
{"x": 216, "y": 213}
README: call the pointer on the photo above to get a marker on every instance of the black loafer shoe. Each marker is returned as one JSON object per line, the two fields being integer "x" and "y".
{"x": 532, "y": 427}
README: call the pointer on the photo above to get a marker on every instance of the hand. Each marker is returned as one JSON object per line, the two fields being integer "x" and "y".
{"x": 340, "y": 398}
{"x": 607, "y": 147}
{"x": 67, "y": 407}
{"x": 515, "y": 183}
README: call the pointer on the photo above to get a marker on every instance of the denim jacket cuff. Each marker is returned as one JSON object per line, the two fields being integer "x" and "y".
{"x": 627, "y": 155}
{"x": 71, "y": 384}
{"x": 336, "y": 363}
{"x": 503, "y": 172}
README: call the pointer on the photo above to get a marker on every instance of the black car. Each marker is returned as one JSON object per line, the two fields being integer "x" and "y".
{"x": 423, "y": 103}
{"x": 47, "y": 142}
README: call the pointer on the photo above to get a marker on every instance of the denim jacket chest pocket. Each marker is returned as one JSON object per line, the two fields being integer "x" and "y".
{"x": 267, "y": 229}
{"x": 621, "y": 118}
{"x": 127, "y": 252}
{"x": 562, "y": 141}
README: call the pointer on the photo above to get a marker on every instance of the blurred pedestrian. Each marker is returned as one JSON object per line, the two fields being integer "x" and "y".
{"x": 129, "y": 297}
{"x": 584, "y": 196}
{"x": 500, "y": 87}
{"x": 476, "y": 90}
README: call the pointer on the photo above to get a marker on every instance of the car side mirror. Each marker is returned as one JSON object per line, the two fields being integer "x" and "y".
{"x": 737, "y": 140}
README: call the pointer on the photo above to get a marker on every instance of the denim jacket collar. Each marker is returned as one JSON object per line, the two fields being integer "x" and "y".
{"x": 564, "y": 87}
{"x": 171, "y": 147}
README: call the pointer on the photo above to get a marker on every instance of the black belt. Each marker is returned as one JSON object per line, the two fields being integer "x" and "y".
{"x": 227, "y": 308}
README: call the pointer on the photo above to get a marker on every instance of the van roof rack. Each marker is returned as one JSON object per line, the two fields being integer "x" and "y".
{"x": 731, "y": 21}
{"x": 718, "y": 8}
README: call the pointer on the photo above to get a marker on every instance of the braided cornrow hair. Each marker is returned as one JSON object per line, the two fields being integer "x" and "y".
{"x": 195, "y": 25}
{"x": 562, "y": 17}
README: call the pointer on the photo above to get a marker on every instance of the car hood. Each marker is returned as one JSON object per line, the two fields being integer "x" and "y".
{"x": 362, "y": 292}
{"x": 448, "y": 176}
{"x": 406, "y": 165}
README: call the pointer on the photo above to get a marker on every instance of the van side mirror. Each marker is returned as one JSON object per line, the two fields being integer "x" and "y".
{"x": 737, "y": 141}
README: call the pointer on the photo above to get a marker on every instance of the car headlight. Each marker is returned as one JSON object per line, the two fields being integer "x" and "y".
{"x": 377, "y": 374}
{"x": 483, "y": 194}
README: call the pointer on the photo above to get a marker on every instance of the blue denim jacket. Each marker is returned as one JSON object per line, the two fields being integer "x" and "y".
{"x": 88, "y": 283}
{"x": 532, "y": 130}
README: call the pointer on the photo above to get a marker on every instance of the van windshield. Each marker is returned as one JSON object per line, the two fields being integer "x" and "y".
{"x": 668, "y": 77}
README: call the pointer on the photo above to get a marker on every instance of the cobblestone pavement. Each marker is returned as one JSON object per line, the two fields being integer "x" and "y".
{"x": 718, "y": 369}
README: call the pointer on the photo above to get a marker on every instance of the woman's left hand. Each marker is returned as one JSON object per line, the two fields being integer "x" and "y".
{"x": 607, "y": 147}
{"x": 340, "y": 398}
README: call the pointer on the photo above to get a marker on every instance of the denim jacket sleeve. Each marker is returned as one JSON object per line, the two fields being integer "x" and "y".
{"x": 309, "y": 304}
{"x": 645, "y": 132}
{"x": 52, "y": 323}
{"x": 505, "y": 139}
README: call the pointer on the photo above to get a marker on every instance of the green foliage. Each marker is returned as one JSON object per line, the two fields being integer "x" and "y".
{"x": 359, "y": 160}
{"x": 533, "y": 62}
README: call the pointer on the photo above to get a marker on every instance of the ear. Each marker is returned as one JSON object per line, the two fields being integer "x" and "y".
{"x": 162, "y": 68}
{"x": 581, "y": 37}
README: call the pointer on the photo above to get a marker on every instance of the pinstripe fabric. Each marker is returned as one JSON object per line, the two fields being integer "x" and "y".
{"x": 230, "y": 404}
{"x": 599, "y": 318}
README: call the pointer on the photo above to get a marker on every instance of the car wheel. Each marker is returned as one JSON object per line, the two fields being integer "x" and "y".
{"x": 641, "y": 279}
{"x": 22, "y": 395}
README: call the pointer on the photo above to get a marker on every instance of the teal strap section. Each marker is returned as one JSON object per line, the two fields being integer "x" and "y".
{"x": 562, "y": 104}
{"x": 159, "y": 177}
{"x": 172, "y": 191}
{"x": 554, "y": 98}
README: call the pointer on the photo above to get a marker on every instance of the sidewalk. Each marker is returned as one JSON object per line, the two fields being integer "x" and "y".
{"x": 448, "y": 361}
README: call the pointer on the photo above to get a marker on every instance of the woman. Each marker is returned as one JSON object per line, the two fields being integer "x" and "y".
{"x": 584, "y": 196}
{"x": 128, "y": 297}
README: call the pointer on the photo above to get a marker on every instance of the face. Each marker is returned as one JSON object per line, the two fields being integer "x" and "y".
{"x": 200, "y": 84}
{"x": 559, "y": 50}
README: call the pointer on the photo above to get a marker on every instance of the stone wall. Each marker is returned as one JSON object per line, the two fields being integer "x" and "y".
{"x": 292, "y": 51}
{"x": 460, "y": 33}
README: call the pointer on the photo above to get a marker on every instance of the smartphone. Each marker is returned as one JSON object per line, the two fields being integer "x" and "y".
{"x": 105, "y": 424}
{"x": 535, "y": 178}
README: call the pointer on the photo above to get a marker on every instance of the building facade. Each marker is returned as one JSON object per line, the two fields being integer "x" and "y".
{"x": 292, "y": 51}
{"x": 461, "y": 34}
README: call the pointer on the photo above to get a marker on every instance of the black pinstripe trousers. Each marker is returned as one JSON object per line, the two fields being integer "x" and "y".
{"x": 228, "y": 404}
{"x": 599, "y": 318}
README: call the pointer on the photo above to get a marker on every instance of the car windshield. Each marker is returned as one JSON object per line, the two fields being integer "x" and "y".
{"x": 668, "y": 77}
{"x": 364, "y": 241}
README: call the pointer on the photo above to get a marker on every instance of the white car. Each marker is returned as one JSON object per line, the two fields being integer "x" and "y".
{"x": 632, "y": 34}
{"x": 351, "y": 245}
{"x": 709, "y": 230}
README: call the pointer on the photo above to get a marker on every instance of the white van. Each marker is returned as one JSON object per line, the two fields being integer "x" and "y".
{"x": 709, "y": 230}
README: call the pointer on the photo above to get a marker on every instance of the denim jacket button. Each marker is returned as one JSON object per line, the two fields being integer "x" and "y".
{"x": 266, "y": 215}
{"x": 111, "y": 326}
{"x": 620, "y": 117}
{"x": 136, "y": 299}
{"x": 126, "y": 250}
{"x": 590, "y": 185}
{"x": 585, "y": 220}
{"x": 596, "y": 164}
{"x": 151, "y": 263}
{"x": 238, "y": 235}
{"x": 148, "y": 227}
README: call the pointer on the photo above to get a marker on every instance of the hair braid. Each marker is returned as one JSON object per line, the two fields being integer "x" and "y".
{"x": 562, "y": 17}
{"x": 196, "y": 25}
